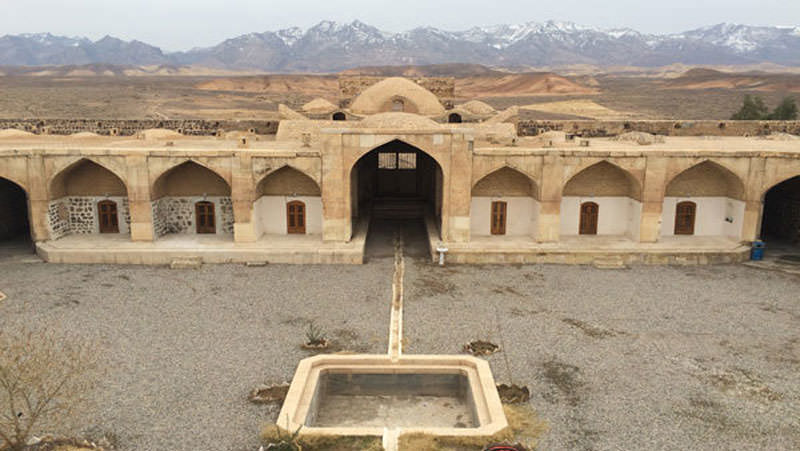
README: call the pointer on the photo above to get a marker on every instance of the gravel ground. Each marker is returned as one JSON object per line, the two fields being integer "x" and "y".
{"x": 184, "y": 347}
{"x": 646, "y": 358}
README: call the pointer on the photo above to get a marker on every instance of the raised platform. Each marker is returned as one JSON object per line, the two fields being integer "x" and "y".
{"x": 287, "y": 249}
{"x": 584, "y": 250}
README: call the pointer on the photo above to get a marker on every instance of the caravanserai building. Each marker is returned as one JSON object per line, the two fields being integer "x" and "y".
{"x": 487, "y": 187}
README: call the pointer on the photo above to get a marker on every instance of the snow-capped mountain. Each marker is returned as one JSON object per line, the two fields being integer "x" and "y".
{"x": 332, "y": 46}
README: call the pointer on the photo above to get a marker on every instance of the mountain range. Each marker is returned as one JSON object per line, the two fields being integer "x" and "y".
{"x": 331, "y": 46}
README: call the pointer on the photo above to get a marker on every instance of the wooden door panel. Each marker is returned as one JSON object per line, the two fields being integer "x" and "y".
{"x": 499, "y": 218}
{"x": 685, "y": 217}
{"x": 296, "y": 217}
{"x": 204, "y": 215}
{"x": 589, "y": 218}
{"x": 107, "y": 216}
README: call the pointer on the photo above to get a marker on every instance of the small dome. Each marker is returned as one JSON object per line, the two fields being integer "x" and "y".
{"x": 319, "y": 105}
{"x": 477, "y": 107}
{"x": 400, "y": 121}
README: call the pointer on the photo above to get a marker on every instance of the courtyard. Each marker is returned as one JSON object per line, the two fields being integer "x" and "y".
{"x": 646, "y": 358}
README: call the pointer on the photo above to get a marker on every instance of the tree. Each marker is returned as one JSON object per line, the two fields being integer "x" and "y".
{"x": 44, "y": 378}
{"x": 785, "y": 111}
{"x": 753, "y": 109}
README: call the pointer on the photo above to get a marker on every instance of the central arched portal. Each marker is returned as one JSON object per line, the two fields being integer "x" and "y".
{"x": 396, "y": 186}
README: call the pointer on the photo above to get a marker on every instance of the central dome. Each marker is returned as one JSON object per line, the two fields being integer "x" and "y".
{"x": 397, "y": 94}
{"x": 399, "y": 120}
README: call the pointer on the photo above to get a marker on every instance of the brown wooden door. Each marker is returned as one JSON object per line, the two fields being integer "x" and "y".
{"x": 685, "y": 214}
{"x": 589, "y": 214}
{"x": 499, "y": 216}
{"x": 107, "y": 216}
{"x": 204, "y": 214}
{"x": 296, "y": 217}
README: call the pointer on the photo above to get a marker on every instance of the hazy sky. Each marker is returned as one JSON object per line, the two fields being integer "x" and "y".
{"x": 182, "y": 24}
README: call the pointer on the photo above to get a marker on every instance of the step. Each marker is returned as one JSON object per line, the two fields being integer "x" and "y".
{"x": 186, "y": 263}
{"x": 609, "y": 263}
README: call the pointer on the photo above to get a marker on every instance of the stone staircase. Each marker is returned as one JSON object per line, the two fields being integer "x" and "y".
{"x": 609, "y": 262}
{"x": 398, "y": 208}
{"x": 186, "y": 263}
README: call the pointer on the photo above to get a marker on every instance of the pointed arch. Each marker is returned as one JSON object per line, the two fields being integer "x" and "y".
{"x": 189, "y": 178}
{"x": 506, "y": 181}
{"x": 287, "y": 180}
{"x": 86, "y": 177}
{"x": 603, "y": 179}
{"x": 706, "y": 179}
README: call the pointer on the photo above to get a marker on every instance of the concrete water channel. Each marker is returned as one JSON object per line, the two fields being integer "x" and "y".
{"x": 392, "y": 394}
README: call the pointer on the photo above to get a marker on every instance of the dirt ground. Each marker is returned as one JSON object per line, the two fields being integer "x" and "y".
{"x": 206, "y": 97}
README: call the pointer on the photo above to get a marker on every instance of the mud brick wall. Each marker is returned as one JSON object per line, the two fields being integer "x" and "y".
{"x": 591, "y": 128}
{"x": 351, "y": 86}
{"x": 128, "y": 127}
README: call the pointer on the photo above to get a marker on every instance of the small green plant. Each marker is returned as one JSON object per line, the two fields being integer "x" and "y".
{"x": 315, "y": 335}
{"x": 281, "y": 441}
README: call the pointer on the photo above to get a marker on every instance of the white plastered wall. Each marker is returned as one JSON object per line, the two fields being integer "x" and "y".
{"x": 618, "y": 216}
{"x": 715, "y": 216}
{"x": 270, "y": 213}
{"x": 522, "y": 216}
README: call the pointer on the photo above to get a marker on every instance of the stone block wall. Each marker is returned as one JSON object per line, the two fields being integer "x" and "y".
{"x": 58, "y": 218}
{"x": 177, "y": 214}
{"x": 129, "y": 127}
{"x": 592, "y": 128}
{"x": 78, "y": 214}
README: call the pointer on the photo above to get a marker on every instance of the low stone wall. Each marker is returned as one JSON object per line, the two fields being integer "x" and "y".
{"x": 128, "y": 127}
{"x": 591, "y": 128}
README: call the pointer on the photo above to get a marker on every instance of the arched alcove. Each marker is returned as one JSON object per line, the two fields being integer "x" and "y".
{"x": 283, "y": 198}
{"x": 189, "y": 199}
{"x": 615, "y": 195}
{"x": 79, "y": 198}
{"x": 717, "y": 207}
{"x": 512, "y": 190}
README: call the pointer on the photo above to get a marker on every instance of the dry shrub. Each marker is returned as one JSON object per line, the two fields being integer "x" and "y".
{"x": 310, "y": 442}
{"x": 524, "y": 426}
{"x": 45, "y": 377}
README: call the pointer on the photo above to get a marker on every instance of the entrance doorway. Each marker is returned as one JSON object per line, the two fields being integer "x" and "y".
{"x": 204, "y": 213}
{"x": 589, "y": 215}
{"x": 781, "y": 221}
{"x": 107, "y": 216}
{"x": 15, "y": 232}
{"x": 685, "y": 215}
{"x": 397, "y": 186}
{"x": 296, "y": 217}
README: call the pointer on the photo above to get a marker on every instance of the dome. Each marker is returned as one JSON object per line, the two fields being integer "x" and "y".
{"x": 399, "y": 120}
{"x": 319, "y": 105}
{"x": 398, "y": 95}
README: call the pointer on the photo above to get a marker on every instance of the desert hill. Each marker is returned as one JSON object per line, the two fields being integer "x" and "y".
{"x": 702, "y": 78}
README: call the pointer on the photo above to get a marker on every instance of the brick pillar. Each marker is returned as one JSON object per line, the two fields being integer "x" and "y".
{"x": 336, "y": 215}
{"x": 38, "y": 200}
{"x": 550, "y": 201}
{"x": 754, "y": 199}
{"x": 457, "y": 190}
{"x": 652, "y": 199}
{"x": 242, "y": 196}
{"x": 139, "y": 198}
